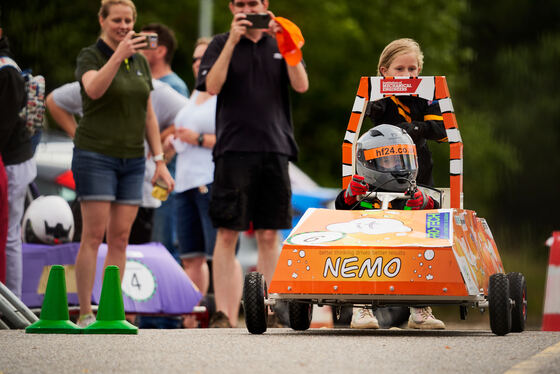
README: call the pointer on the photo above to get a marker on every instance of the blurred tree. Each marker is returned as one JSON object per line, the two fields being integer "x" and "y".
{"x": 513, "y": 77}
{"x": 49, "y": 41}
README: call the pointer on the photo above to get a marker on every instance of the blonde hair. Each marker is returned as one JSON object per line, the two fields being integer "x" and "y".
{"x": 399, "y": 47}
{"x": 202, "y": 41}
{"x": 107, "y": 4}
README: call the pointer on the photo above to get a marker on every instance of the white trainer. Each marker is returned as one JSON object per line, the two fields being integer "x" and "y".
{"x": 422, "y": 318}
{"x": 85, "y": 321}
{"x": 363, "y": 318}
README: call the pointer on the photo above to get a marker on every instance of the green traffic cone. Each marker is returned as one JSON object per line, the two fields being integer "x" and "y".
{"x": 54, "y": 318}
{"x": 110, "y": 313}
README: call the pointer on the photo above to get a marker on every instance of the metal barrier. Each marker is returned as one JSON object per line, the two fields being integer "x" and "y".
{"x": 13, "y": 312}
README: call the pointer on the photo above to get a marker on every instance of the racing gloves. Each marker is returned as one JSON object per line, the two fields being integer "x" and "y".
{"x": 357, "y": 186}
{"x": 420, "y": 201}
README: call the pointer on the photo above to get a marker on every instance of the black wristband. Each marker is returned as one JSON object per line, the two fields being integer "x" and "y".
{"x": 200, "y": 139}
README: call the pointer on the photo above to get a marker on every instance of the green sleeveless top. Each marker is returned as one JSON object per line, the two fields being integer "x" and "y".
{"x": 114, "y": 124}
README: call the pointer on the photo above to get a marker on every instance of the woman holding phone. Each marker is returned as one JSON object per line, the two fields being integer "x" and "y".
{"x": 108, "y": 161}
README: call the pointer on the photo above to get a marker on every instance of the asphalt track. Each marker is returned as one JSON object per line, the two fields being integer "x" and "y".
{"x": 282, "y": 351}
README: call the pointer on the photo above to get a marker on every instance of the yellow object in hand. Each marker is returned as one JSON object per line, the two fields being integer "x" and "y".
{"x": 160, "y": 191}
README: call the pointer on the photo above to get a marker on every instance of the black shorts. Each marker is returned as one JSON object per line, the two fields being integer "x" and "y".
{"x": 251, "y": 187}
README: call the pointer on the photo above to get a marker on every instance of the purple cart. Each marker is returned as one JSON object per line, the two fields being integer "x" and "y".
{"x": 153, "y": 282}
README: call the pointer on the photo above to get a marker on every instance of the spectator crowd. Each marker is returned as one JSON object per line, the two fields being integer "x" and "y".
{"x": 136, "y": 127}
{"x": 191, "y": 169}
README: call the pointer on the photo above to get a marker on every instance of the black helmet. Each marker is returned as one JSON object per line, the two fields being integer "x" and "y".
{"x": 386, "y": 158}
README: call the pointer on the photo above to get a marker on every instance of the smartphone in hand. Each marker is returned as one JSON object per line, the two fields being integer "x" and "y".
{"x": 259, "y": 20}
{"x": 151, "y": 39}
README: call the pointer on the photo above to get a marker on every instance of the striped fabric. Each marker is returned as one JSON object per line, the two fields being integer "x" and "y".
{"x": 429, "y": 88}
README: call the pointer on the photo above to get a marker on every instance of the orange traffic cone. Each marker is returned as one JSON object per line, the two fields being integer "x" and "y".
{"x": 551, "y": 314}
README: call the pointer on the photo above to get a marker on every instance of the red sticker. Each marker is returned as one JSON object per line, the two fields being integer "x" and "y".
{"x": 399, "y": 86}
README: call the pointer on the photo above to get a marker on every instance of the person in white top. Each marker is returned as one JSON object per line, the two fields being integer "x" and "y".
{"x": 65, "y": 101}
{"x": 193, "y": 141}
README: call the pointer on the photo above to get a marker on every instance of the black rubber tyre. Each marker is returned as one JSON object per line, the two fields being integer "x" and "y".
{"x": 254, "y": 294}
{"x": 392, "y": 316}
{"x": 463, "y": 311}
{"x": 499, "y": 304}
{"x": 300, "y": 315}
{"x": 345, "y": 317}
{"x": 280, "y": 310}
{"x": 518, "y": 293}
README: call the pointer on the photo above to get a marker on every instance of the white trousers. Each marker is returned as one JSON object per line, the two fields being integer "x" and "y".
{"x": 19, "y": 177}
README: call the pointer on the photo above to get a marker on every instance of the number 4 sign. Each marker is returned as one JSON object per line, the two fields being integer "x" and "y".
{"x": 138, "y": 282}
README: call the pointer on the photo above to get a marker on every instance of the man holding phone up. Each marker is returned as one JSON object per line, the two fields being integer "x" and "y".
{"x": 254, "y": 142}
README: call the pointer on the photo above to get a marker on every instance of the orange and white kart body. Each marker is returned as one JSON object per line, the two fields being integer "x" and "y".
{"x": 392, "y": 257}
{"x": 387, "y": 256}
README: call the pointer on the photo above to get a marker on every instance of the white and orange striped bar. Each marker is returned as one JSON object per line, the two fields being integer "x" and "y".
{"x": 353, "y": 131}
{"x": 428, "y": 88}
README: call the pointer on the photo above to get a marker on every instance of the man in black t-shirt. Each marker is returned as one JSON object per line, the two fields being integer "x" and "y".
{"x": 254, "y": 142}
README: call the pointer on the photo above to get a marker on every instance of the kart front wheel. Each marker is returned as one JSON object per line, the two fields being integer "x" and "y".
{"x": 301, "y": 314}
{"x": 254, "y": 294}
{"x": 499, "y": 304}
{"x": 518, "y": 293}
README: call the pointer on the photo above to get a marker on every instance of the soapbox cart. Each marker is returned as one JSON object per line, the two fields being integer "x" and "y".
{"x": 377, "y": 258}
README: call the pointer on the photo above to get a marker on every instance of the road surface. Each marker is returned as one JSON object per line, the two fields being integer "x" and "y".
{"x": 282, "y": 351}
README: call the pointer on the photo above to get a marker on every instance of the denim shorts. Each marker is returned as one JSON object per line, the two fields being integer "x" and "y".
{"x": 251, "y": 187}
{"x": 104, "y": 178}
{"x": 195, "y": 232}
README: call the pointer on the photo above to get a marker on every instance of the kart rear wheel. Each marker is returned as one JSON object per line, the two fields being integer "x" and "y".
{"x": 300, "y": 315}
{"x": 499, "y": 304}
{"x": 518, "y": 293}
{"x": 254, "y": 294}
